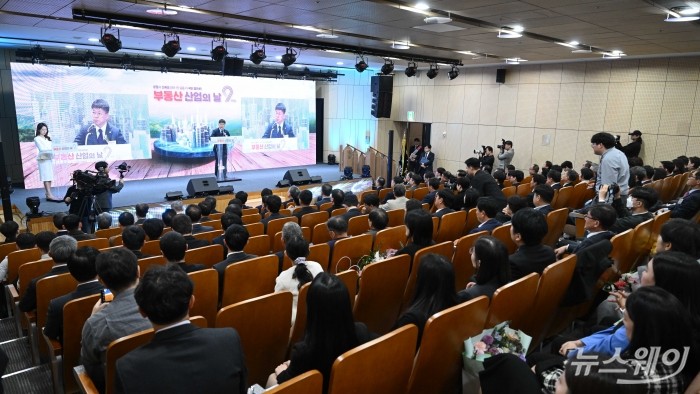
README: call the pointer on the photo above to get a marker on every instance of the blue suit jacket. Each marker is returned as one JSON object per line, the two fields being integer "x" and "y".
{"x": 488, "y": 225}
{"x": 273, "y": 132}
{"x": 88, "y": 135}
{"x": 687, "y": 207}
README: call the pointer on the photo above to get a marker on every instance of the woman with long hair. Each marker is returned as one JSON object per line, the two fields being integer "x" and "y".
{"x": 330, "y": 331}
{"x": 490, "y": 260}
{"x": 45, "y": 157}
{"x": 419, "y": 232}
{"x": 434, "y": 292}
{"x": 300, "y": 273}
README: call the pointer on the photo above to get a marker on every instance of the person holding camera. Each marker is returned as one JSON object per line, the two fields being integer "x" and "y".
{"x": 633, "y": 148}
{"x": 103, "y": 201}
{"x": 487, "y": 158}
{"x": 641, "y": 199}
{"x": 506, "y": 155}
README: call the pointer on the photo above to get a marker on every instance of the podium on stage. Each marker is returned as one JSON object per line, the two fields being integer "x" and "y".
{"x": 228, "y": 175}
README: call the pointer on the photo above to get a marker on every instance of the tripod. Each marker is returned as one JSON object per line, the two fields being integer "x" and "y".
{"x": 89, "y": 208}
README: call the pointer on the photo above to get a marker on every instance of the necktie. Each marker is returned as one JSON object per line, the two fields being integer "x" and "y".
{"x": 279, "y": 129}
{"x": 100, "y": 138}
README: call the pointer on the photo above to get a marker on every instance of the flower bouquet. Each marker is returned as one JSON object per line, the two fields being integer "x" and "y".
{"x": 627, "y": 282}
{"x": 493, "y": 341}
{"x": 373, "y": 256}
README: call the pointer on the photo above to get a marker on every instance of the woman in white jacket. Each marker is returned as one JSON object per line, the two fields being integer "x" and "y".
{"x": 45, "y": 157}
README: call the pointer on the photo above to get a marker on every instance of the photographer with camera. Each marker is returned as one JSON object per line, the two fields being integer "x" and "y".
{"x": 487, "y": 158}
{"x": 103, "y": 200}
{"x": 506, "y": 155}
{"x": 633, "y": 148}
{"x": 637, "y": 211}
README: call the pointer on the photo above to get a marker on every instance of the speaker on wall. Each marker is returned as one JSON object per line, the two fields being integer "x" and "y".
{"x": 382, "y": 87}
{"x": 501, "y": 75}
{"x": 233, "y": 67}
{"x": 202, "y": 186}
{"x": 298, "y": 177}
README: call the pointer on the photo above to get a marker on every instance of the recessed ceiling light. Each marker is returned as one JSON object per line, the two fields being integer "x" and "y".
{"x": 466, "y": 52}
{"x": 673, "y": 18}
{"x": 339, "y": 63}
{"x": 518, "y": 28}
{"x": 589, "y": 50}
{"x": 616, "y": 54}
{"x": 326, "y": 35}
{"x": 507, "y": 33}
{"x": 161, "y": 11}
{"x": 331, "y": 51}
{"x": 93, "y": 39}
{"x": 515, "y": 60}
{"x": 422, "y": 6}
{"x": 70, "y": 46}
{"x": 689, "y": 11}
{"x": 683, "y": 14}
{"x": 573, "y": 43}
{"x": 237, "y": 40}
{"x": 118, "y": 26}
{"x": 191, "y": 49}
{"x": 401, "y": 45}
{"x": 308, "y": 28}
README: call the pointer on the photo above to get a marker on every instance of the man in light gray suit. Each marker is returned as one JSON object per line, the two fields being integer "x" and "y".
{"x": 506, "y": 155}
{"x": 399, "y": 202}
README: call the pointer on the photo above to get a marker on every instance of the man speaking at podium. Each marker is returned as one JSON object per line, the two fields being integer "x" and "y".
{"x": 220, "y": 132}
{"x": 279, "y": 128}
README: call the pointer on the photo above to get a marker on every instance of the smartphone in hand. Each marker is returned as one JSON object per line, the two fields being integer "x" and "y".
{"x": 106, "y": 295}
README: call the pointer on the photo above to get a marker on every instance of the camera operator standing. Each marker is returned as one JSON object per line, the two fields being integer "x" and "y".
{"x": 103, "y": 200}
{"x": 633, "y": 148}
{"x": 487, "y": 159}
{"x": 506, "y": 155}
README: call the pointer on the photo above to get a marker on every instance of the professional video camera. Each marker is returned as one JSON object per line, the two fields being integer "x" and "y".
{"x": 91, "y": 182}
{"x": 482, "y": 152}
{"x": 123, "y": 169}
{"x": 502, "y": 147}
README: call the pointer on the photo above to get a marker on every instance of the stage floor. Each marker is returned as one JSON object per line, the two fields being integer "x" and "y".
{"x": 153, "y": 190}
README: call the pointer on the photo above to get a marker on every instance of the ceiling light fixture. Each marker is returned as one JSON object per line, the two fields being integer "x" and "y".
{"x": 510, "y": 32}
{"x": 411, "y": 69}
{"x": 289, "y": 57}
{"x": 453, "y": 73}
{"x": 388, "y": 66}
{"x": 93, "y": 39}
{"x": 682, "y": 14}
{"x": 515, "y": 60}
{"x": 172, "y": 47}
{"x": 400, "y": 45}
{"x": 257, "y": 54}
{"x": 361, "y": 65}
{"x": 583, "y": 50}
{"x": 330, "y": 35}
{"x": 613, "y": 54}
{"x": 162, "y": 11}
{"x": 422, "y": 6}
{"x": 109, "y": 41}
{"x": 437, "y": 20}
{"x": 433, "y": 72}
{"x": 219, "y": 52}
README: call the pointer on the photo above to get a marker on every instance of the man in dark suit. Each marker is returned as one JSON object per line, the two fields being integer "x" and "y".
{"x": 326, "y": 190}
{"x": 141, "y": 212}
{"x": 217, "y": 364}
{"x": 528, "y": 227}
{"x": 641, "y": 198}
{"x": 183, "y": 224}
{"x": 338, "y": 198}
{"x": 542, "y": 197}
{"x": 174, "y": 246}
{"x": 426, "y": 159}
{"x": 81, "y": 266}
{"x": 689, "y": 205}
{"x": 133, "y": 238}
{"x": 222, "y": 156}
{"x": 235, "y": 238}
{"x": 338, "y": 229}
{"x": 351, "y": 203}
{"x": 443, "y": 200}
{"x": 99, "y": 132}
{"x": 486, "y": 210}
{"x": 553, "y": 179}
{"x": 280, "y": 128}
{"x": 71, "y": 223}
{"x": 598, "y": 220}
{"x": 305, "y": 207}
{"x": 433, "y": 186}
{"x": 227, "y": 219}
{"x": 103, "y": 200}
{"x": 195, "y": 214}
{"x": 483, "y": 182}
{"x": 60, "y": 250}
{"x": 273, "y": 204}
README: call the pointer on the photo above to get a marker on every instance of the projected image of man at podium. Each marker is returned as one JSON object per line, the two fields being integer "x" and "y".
{"x": 279, "y": 128}
{"x": 221, "y": 150}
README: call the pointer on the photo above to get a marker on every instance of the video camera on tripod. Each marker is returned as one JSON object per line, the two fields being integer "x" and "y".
{"x": 96, "y": 182}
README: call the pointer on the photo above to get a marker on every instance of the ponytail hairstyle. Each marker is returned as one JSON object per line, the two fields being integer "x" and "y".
{"x": 298, "y": 249}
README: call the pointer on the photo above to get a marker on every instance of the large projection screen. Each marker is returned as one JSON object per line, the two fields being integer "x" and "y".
{"x": 160, "y": 123}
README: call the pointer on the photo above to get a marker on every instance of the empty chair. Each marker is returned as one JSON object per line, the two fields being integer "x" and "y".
{"x": 451, "y": 226}
{"x": 461, "y": 260}
{"x": 248, "y": 279}
{"x": 312, "y": 219}
{"x": 513, "y": 302}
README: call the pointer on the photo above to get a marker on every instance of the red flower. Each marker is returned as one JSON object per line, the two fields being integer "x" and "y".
{"x": 620, "y": 284}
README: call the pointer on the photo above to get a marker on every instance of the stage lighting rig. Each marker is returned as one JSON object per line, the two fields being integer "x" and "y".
{"x": 219, "y": 52}
{"x": 172, "y": 47}
{"x": 89, "y": 59}
{"x": 361, "y": 65}
{"x": 257, "y": 54}
{"x": 33, "y": 204}
{"x": 433, "y": 72}
{"x": 388, "y": 66}
{"x": 109, "y": 41}
{"x": 289, "y": 57}
{"x": 411, "y": 69}
{"x": 454, "y": 73}
{"x": 38, "y": 54}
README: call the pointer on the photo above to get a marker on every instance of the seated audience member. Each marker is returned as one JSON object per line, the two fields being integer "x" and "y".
{"x": 399, "y": 201}
{"x": 566, "y": 165}
{"x": 693, "y": 163}
{"x": 133, "y": 238}
{"x": 337, "y": 229}
{"x": 195, "y": 214}
{"x": 433, "y": 186}
{"x": 104, "y": 221}
{"x": 378, "y": 221}
{"x": 351, "y": 203}
{"x": 419, "y": 232}
{"x": 528, "y": 228}
{"x": 330, "y": 331}
{"x": 289, "y": 231}
{"x": 81, "y": 266}
{"x": 242, "y": 197}
{"x": 515, "y": 177}
{"x": 514, "y": 203}
{"x": 262, "y": 208}
{"x": 72, "y": 224}
{"x": 443, "y": 201}
{"x": 542, "y": 196}
{"x": 235, "y": 209}
{"x": 689, "y": 205}
{"x": 183, "y": 224}
{"x": 211, "y": 203}
{"x": 427, "y": 176}
{"x": 153, "y": 228}
{"x": 164, "y": 296}
{"x": 679, "y": 235}
{"x": 118, "y": 270}
{"x": 23, "y": 241}
{"x": 490, "y": 260}
{"x": 553, "y": 179}
{"x": 227, "y": 219}
{"x": 412, "y": 204}
{"x": 534, "y": 169}
{"x": 205, "y": 210}
{"x": 174, "y": 246}
{"x": 668, "y": 167}
{"x": 588, "y": 176}
{"x": 9, "y": 230}
{"x": 640, "y": 198}
{"x": 397, "y": 180}
{"x": 500, "y": 177}
{"x": 370, "y": 202}
{"x": 569, "y": 178}
{"x": 337, "y": 197}
{"x": 235, "y": 238}
{"x": 292, "y": 197}
{"x": 545, "y": 167}
{"x": 60, "y": 250}
{"x": 168, "y": 216}
{"x": 58, "y": 223}
{"x": 659, "y": 173}
{"x": 414, "y": 182}
{"x": 273, "y": 204}
{"x": 126, "y": 219}
{"x": 305, "y": 197}
{"x": 301, "y": 272}
{"x": 178, "y": 207}
{"x": 141, "y": 210}
{"x": 325, "y": 197}
{"x": 486, "y": 210}
{"x": 379, "y": 183}
{"x": 597, "y": 222}
{"x": 434, "y": 292}
{"x": 43, "y": 242}
{"x": 461, "y": 185}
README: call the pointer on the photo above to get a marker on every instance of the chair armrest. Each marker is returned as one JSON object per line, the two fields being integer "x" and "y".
{"x": 54, "y": 346}
{"x": 12, "y": 292}
{"x": 85, "y": 384}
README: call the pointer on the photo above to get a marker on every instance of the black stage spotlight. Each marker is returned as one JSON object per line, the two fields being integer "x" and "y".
{"x": 258, "y": 55}
{"x": 172, "y": 47}
{"x": 109, "y": 41}
{"x": 411, "y": 69}
{"x": 289, "y": 57}
{"x": 219, "y": 52}
{"x": 454, "y": 73}
{"x": 433, "y": 72}
{"x": 361, "y": 65}
{"x": 388, "y": 67}
{"x": 33, "y": 204}
{"x": 38, "y": 54}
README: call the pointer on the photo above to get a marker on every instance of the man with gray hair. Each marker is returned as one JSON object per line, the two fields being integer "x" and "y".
{"x": 177, "y": 207}
{"x": 293, "y": 195}
{"x": 104, "y": 221}
{"x": 290, "y": 230}
{"x": 60, "y": 250}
